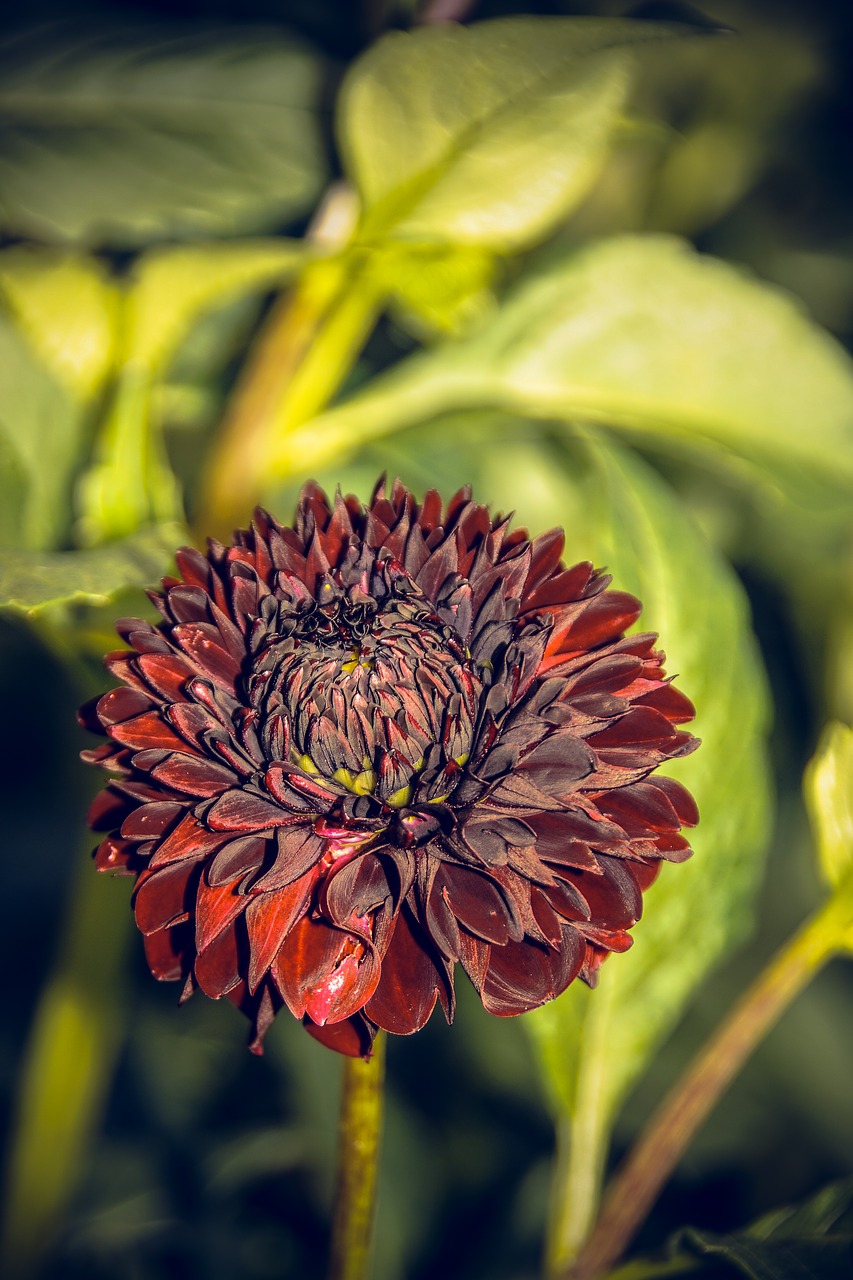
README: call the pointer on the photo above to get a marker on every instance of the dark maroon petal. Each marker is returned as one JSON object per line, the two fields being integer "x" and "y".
{"x": 477, "y": 903}
{"x": 325, "y": 972}
{"x": 164, "y": 896}
{"x": 215, "y": 909}
{"x": 239, "y": 810}
{"x": 194, "y": 775}
{"x": 166, "y": 952}
{"x": 217, "y": 969}
{"x": 150, "y": 820}
{"x": 613, "y": 896}
{"x": 269, "y": 919}
{"x": 410, "y": 981}
{"x": 147, "y": 732}
{"x": 189, "y": 839}
{"x": 525, "y": 975}
{"x": 122, "y": 704}
{"x": 353, "y": 1037}
{"x": 235, "y": 859}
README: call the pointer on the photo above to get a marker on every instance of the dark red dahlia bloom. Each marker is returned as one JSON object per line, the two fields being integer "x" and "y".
{"x": 361, "y": 750}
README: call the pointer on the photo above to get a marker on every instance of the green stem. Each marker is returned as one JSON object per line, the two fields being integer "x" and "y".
{"x": 581, "y": 1149}
{"x": 307, "y": 347}
{"x": 358, "y": 1164}
{"x": 636, "y": 1185}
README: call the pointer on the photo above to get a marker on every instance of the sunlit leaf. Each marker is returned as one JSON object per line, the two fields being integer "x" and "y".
{"x": 437, "y": 290}
{"x": 121, "y": 135}
{"x": 172, "y": 287}
{"x": 32, "y": 581}
{"x": 618, "y": 513}
{"x": 488, "y": 134}
{"x": 67, "y": 306}
{"x": 40, "y": 437}
{"x": 641, "y": 334}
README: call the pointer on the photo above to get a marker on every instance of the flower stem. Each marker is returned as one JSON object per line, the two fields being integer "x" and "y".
{"x": 358, "y": 1164}
{"x": 307, "y": 347}
{"x": 636, "y": 1185}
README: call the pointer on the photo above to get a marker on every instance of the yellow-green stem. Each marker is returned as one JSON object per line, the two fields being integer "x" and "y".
{"x": 358, "y": 1164}
{"x": 308, "y": 346}
{"x": 636, "y": 1185}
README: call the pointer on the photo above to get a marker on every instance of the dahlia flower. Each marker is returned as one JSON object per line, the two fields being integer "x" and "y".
{"x": 386, "y": 741}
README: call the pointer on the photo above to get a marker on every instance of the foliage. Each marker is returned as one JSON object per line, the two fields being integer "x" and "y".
{"x": 549, "y": 267}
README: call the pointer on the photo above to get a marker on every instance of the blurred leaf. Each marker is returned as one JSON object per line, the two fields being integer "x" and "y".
{"x": 593, "y": 1045}
{"x": 40, "y": 439}
{"x": 810, "y": 1241}
{"x": 489, "y": 134}
{"x": 437, "y": 290}
{"x": 120, "y": 135}
{"x": 639, "y": 333}
{"x": 173, "y": 287}
{"x": 130, "y": 483}
{"x": 67, "y": 306}
{"x": 32, "y": 581}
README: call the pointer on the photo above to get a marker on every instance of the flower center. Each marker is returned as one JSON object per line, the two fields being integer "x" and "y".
{"x": 374, "y": 686}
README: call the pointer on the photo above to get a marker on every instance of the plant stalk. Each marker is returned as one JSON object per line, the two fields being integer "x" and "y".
{"x": 358, "y": 1164}
{"x": 305, "y": 350}
{"x": 637, "y": 1184}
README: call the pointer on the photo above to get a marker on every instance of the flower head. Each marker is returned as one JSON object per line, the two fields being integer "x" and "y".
{"x": 386, "y": 741}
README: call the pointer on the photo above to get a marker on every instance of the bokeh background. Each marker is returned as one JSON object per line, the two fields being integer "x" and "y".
{"x": 209, "y": 1163}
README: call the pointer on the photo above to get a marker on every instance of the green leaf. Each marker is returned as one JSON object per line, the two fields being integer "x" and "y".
{"x": 40, "y": 439}
{"x": 31, "y": 582}
{"x": 641, "y": 334}
{"x": 119, "y": 135}
{"x": 828, "y": 791}
{"x": 594, "y": 1045}
{"x": 810, "y": 1241}
{"x": 67, "y": 306}
{"x": 172, "y": 287}
{"x": 489, "y": 134}
{"x": 436, "y": 290}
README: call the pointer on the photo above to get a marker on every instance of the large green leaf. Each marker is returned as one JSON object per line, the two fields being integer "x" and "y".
{"x": 172, "y": 287}
{"x": 119, "y": 135}
{"x": 40, "y": 437}
{"x": 67, "y": 306}
{"x": 487, "y": 134}
{"x": 642, "y": 334}
{"x": 32, "y": 581}
{"x": 593, "y": 1045}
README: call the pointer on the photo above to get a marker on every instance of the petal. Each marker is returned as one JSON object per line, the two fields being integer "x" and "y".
{"x": 239, "y": 810}
{"x": 217, "y": 969}
{"x": 525, "y": 975}
{"x": 326, "y": 972}
{"x": 269, "y": 919}
{"x": 163, "y": 897}
{"x": 194, "y": 775}
{"x": 353, "y": 1037}
{"x": 409, "y": 983}
{"x": 216, "y": 908}
{"x": 189, "y": 839}
{"x": 235, "y": 859}
{"x": 476, "y": 902}
{"x": 168, "y": 952}
{"x": 146, "y": 732}
{"x": 150, "y": 820}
